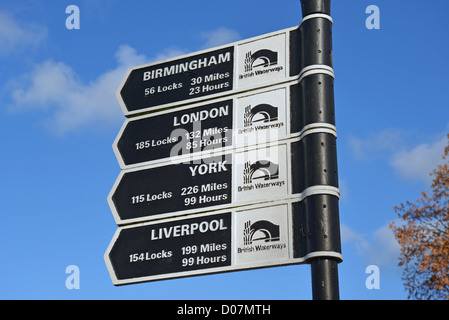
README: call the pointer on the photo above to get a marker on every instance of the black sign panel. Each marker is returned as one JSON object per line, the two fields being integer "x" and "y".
{"x": 171, "y": 247}
{"x": 171, "y": 188}
{"x": 177, "y": 133}
{"x": 231, "y": 179}
{"x": 182, "y": 79}
{"x": 237, "y": 67}
{"x": 264, "y": 235}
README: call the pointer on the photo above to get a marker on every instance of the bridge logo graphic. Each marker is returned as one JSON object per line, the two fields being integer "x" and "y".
{"x": 262, "y": 230}
{"x": 261, "y": 58}
{"x": 262, "y": 169}
{"x": 260, "y": 113}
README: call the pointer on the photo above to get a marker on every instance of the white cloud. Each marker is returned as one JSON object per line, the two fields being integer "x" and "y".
{"x": 417, "y": 162}
{"x": 379, "y": 247}
{"x": 219, "y": 37}
{"x": 169, "y": 53}
{"x": 15, "y": 35}
{"x": 349, "y": 235}
{"x": 376, "y": 145}
{"x": 56, "y": 88}
{"x": 127, "y": 56}
{"x": 385, "y": 249}
{"x": 393, "y": 146}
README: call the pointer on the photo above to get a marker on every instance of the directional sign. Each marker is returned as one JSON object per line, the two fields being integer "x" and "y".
{"x": 240, "y": 66}
{"x": 254, "y": 237}
{"x": 237, "y": 121}
{"x": 229, "y": 179}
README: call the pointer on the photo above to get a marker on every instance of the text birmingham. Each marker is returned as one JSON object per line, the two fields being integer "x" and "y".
{"x": 187, "y": 66}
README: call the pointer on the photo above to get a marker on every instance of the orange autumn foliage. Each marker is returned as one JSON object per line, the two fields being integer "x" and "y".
{"x": 423, "y": 234}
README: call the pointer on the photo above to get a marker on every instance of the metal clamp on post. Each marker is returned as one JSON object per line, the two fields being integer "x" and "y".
{"x": 314, "y": 16}
{"x": 316, "y": 69}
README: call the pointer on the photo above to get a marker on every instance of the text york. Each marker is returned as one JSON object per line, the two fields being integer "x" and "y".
{"x": 203, "y": 169}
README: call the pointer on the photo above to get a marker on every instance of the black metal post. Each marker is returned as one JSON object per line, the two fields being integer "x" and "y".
{"x": 318, "y": 96}
{"x": 325, "y": 279}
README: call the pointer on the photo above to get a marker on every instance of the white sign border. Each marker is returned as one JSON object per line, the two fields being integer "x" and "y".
{"x": 233, "y": 204}
{"x": 233, "y": 267}
{"x": 212, "y": 96}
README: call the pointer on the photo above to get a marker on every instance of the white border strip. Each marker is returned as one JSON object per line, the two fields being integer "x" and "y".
{"x": 318, "y": 127}
{"x": 236, "y": 87}
{"x": 312, "y": 190}
{"x": 323, "y": 189}
{"x": 316, "y": 254}
{"x": 317, "y": 71}
{"x": 259, "y": 138}
{"x": 316, "y": 66}
{"x": 314, "y": 16}
{"x": 231, "y": 268}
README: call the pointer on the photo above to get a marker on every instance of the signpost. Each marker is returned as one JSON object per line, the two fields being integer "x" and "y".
{"x": 232, "y": 122}
{"x": 222, "y": 241}
{"x": 239, "y": 66}
{"x": 246, "y": 179}
{"x": 227, "y": 180}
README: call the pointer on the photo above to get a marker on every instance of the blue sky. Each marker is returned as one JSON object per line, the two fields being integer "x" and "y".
{"x": 59, "y": 117}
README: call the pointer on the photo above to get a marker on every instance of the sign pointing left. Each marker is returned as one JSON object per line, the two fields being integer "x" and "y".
{"x": 223, "y": 241}
{"x": 240, "y": 66}
{"x": 178, "y": 80}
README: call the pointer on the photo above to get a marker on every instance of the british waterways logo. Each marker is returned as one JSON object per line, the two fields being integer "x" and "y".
{"x": 260, "y": 232}
{"x": 259, "y": 175}
{"x": 262, "y": 118}
{"x": 260, "y": 62}
{"x": 265, "y": 231}
{"x": 261, "y": 58}
{"x": 261, "y": 113}
{"x": 262, "y": 169}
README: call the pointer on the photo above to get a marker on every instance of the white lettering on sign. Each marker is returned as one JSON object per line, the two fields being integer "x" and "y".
{"x": 188, "y": 229}
{"x": 186, "y": 66}
{"x": 201, "y": 115}
{"x": 146, "y": 256}
{"x": 204, "y": 168}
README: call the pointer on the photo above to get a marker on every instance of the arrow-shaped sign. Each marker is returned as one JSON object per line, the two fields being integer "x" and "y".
{"x": 223, "y": 241}
{"x": 236, "y": 121}
{"x": 244, "y": 65}
{"x": 201, "y": 184}
{"x": 230, "y": 179}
